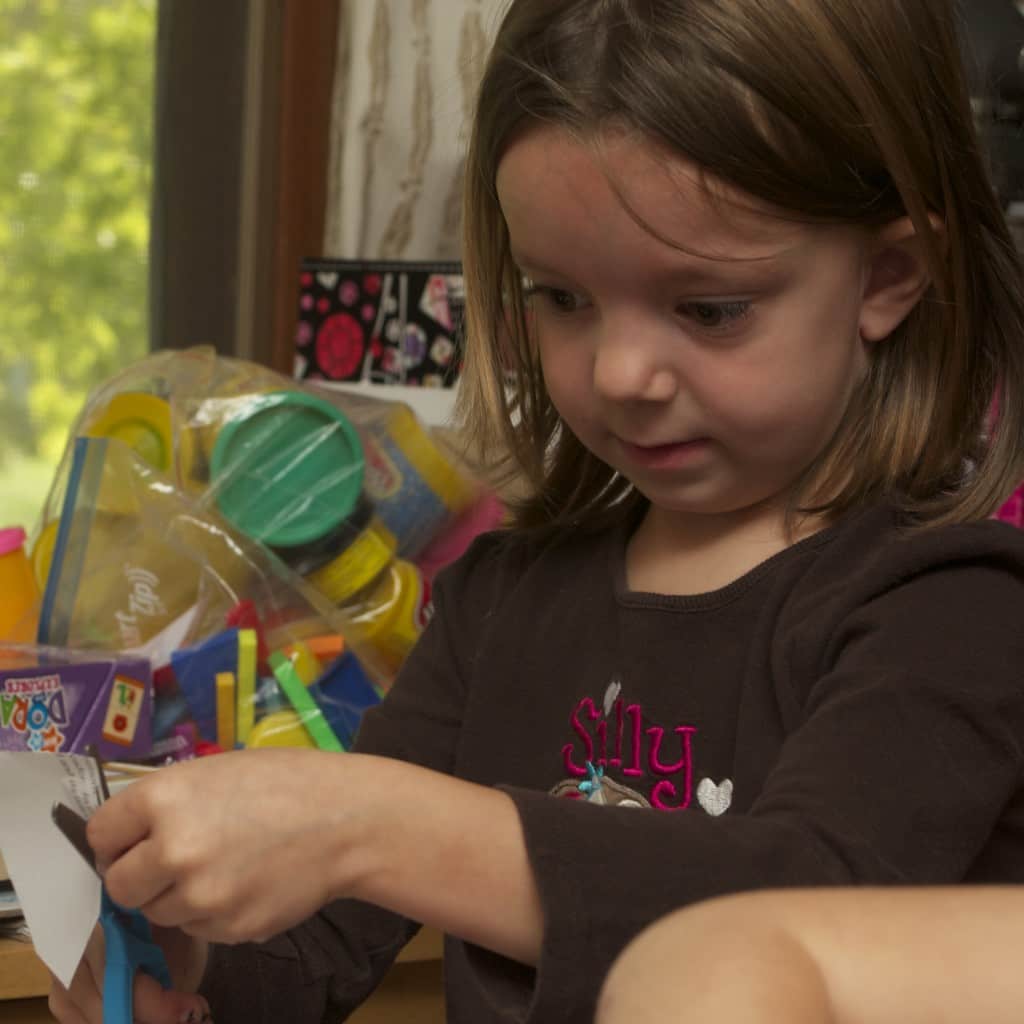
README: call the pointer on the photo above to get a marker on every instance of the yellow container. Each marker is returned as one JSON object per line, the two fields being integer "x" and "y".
{"x": 358, "y": 565}
{"x": 19, "y": 595}
{"x": 387, "y": 620}
{"x": 42, "y": 552}
{"x": 416, "y": 489}
{"x": 384, "y": 597}
{"x": 436, "y": 469}
{"x": 142, "y": 421}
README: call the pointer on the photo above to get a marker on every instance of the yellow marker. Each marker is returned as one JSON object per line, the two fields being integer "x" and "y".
{"x": 246, "y": 683}
{"x": 306, "y": 663}
{"x": 226, "y": 710}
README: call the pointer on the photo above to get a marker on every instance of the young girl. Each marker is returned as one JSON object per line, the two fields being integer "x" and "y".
{"x": 742, "y": 266}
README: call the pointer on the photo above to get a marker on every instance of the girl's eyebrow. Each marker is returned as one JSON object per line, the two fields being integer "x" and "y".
{"x": 694, "y": 271}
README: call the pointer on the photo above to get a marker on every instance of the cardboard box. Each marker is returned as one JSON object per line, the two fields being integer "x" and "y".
{"x": 64, "y": 707}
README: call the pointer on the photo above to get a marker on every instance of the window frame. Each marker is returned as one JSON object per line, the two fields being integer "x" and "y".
{"x": 243, "y": 113}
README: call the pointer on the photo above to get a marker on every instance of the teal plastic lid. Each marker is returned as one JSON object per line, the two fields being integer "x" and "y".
{"x": 287, "y": 469}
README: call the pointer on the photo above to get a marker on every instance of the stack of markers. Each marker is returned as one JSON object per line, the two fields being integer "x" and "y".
{"x": 232, "y": 691}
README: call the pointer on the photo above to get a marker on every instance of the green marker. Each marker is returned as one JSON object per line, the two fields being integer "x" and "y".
{"x": 305, "y": 707}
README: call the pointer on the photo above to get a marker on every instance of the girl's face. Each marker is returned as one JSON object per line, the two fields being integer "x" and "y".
{"x": 709, "y": 366}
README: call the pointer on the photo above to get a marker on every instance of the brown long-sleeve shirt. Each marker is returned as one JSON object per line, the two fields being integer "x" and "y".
{"x": 849, "y": 712}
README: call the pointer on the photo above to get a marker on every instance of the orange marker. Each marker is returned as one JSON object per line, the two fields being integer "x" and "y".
{"x": 326, "y": 648}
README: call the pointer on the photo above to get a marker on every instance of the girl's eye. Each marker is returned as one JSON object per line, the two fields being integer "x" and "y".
{"x": 715, "y": 315}
{"x": 561, "y": 300}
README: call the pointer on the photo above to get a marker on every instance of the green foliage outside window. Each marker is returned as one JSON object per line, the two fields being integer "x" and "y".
{"x": 76, "y": 139}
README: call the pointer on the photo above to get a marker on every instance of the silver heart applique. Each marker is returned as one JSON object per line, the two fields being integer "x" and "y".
{"x": 327, "y": 279}
{"x": 611, "y": 695}
{"x": 715, "y": 799}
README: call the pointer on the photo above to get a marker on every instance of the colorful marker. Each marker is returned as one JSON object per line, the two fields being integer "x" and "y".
{"x": 226, "y": 710}
{"x": 246, "y": 683}
{"x": 305, "y": 707}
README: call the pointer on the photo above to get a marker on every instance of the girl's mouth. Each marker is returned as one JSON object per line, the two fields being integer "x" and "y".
{"x": 673, "y": 455}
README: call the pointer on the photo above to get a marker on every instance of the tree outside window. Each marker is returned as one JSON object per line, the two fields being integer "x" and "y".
{"x": 76, "y": 140}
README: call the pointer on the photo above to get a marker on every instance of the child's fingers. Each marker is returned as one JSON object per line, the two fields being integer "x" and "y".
{"x": 93, "y": 962}
{"x": 138, "y": 877}
{"x": 63, "y": 1009}
{"x": 82, "y": 1003}
{"x": 119, "y": 824}
{"x": 153, "y": 1004}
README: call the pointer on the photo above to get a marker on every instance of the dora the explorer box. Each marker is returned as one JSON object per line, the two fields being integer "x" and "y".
{"x": 65, "y": 707}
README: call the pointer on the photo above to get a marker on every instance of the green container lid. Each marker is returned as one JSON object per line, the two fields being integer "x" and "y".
{"x": 288, "y": 469}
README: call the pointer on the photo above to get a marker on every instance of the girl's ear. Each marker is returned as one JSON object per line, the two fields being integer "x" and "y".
{"x": 896, "y": 277}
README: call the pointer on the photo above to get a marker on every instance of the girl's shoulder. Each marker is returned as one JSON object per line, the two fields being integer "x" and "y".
{"x": 875, "y": 568}
{"x": 880, "y": 542}
{"x": 880, "y": 604}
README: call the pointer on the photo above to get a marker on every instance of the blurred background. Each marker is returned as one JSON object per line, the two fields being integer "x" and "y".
{"x": 166, "y": 165}
{"x": 76, "y": 149}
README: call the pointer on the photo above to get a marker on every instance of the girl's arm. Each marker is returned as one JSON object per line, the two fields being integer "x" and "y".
{"x": 328, "y": 964}
{"x": 828, "y": 956}
{"x": 245, "y": 845}
{"x": 448, "y": 853}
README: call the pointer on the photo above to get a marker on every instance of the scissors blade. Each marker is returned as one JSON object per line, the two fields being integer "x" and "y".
{"x": 72, "y": 826}
{"x": 93, "y": 751}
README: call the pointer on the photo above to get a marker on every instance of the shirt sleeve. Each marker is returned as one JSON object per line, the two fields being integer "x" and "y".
{"x": 324, "y": 968}
{"x": 906, "y": 748}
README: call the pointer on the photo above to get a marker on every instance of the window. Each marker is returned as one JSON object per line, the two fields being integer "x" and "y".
{"x": 76, "y": 97}
{"x": 163, "y": 173}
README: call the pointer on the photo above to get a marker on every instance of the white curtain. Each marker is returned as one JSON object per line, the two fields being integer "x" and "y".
{"x": 406, "y": 78}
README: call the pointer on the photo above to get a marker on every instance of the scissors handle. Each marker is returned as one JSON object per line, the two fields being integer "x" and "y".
{"x": 130, "y": 948}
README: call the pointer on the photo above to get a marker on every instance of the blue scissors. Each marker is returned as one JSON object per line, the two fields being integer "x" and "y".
{"x": 130, "y": 945}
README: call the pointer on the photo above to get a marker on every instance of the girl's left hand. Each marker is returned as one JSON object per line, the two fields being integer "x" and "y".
{"x": 237, "y": 846}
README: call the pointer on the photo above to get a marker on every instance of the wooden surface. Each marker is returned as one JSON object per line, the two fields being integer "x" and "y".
{"x": 411, "y": 993}
{"x": 25, "y": 1011}
{"x": 22, "y": 973}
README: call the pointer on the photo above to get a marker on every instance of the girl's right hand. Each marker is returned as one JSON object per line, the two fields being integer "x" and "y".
{"x": 82, "y": 1003}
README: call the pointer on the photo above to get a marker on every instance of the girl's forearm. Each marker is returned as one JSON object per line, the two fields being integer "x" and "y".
{"x": 445, "y": 852}
{"x": 829, "y": 956}
{"x": 916, "y": 955}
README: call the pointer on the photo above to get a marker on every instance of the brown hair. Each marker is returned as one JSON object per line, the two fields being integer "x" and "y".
{"x": 839, "y": 111}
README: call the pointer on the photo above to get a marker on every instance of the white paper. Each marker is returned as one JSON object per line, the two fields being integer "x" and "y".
{"x": 58, "y": 891}
{"x": 158, "y": 649}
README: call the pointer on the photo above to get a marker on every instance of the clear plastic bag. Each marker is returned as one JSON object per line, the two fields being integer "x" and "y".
{"x": 234, "y": 527}
{"x": 141, "y": 568}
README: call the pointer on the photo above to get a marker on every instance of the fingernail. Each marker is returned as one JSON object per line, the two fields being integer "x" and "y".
{"x": 192, "y": 1017}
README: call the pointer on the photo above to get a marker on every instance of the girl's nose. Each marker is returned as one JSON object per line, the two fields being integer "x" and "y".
{"x": 630, "y": 364}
